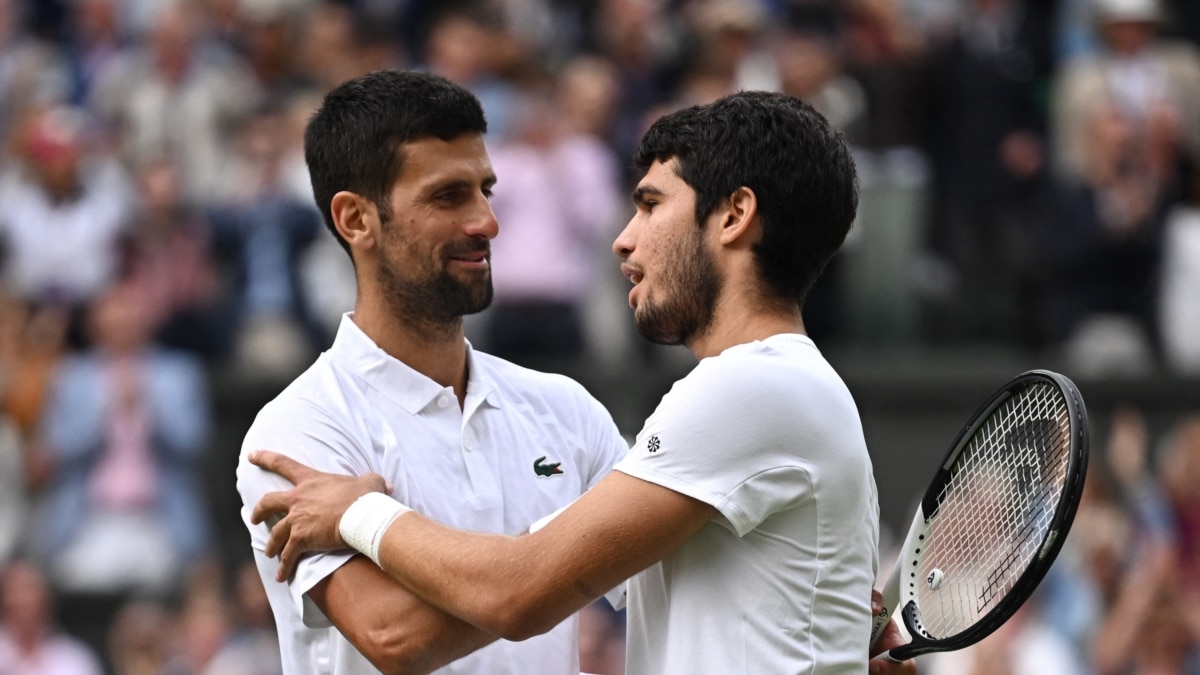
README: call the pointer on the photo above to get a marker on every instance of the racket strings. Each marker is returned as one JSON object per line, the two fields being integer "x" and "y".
{"x": 995, "y": 512}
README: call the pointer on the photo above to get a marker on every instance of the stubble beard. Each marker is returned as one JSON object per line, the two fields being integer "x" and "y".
{"x": 437, "y": 301}
{"x": 689, "y": 301}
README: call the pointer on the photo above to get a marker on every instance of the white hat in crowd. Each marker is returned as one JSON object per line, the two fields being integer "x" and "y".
{"x": 1127, "y": 10}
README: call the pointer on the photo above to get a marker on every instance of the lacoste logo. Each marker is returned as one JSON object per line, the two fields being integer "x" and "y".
{"x": 653, "y": 444}
{"x": 546, "y": 469}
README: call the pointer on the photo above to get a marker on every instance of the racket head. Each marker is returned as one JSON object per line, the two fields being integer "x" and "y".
{"x": 995, "y": 516}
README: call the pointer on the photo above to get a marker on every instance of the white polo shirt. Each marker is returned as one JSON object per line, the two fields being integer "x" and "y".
{"x": 780, "y": 580}
{"x": 524, "y": 445}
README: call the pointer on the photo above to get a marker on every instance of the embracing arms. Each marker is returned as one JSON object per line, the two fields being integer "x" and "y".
{"x": 515, "y": 587}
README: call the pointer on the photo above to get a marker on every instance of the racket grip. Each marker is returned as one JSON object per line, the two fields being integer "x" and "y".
{"x": 891, "y": 599}
{"x": 878, "y": 623}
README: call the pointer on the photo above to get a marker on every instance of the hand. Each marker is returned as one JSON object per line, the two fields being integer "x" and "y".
{"x": 309, "y": 513}
{"x": 889, "y": 638}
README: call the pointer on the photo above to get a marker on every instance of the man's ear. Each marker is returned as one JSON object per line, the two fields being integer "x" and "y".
{"x": 741, "y": 218}
{"x": 356, "y": 219}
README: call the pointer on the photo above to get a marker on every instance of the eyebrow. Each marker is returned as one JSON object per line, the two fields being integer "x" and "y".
{"x": 639, "y": 195}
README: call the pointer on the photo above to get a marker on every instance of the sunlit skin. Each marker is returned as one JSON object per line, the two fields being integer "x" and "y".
{"x": 425, "y": 264}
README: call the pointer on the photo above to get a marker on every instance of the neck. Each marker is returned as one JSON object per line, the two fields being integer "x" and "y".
{"x": 742, "y": 324}
{"x": 436, "y": 350}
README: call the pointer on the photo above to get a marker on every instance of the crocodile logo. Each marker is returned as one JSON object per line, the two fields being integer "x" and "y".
{"x": 546, "y": 469}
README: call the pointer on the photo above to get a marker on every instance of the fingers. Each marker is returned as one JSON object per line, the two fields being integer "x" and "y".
{"x": 876, "y": 602}
{"x": 288, "y": 561}
{"x": 889, "y": 638}
{"x": 271, "y": 504}
{"x": 280, "y": 534}
{"x": 884, "y": 666}
{"x": 281, "y": 464}
{"x": 281, "y": 544}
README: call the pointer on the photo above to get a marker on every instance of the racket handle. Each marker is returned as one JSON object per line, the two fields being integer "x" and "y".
{"x": 878, "y": 623}
{"x": 891, "y": 598}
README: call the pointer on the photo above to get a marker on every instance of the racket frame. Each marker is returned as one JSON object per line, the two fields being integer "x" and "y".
{"x": 899, "y": 591}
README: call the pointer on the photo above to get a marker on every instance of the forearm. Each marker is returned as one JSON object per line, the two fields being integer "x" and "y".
{"x": 395, "y": 630}
{"x": 506, "y": 586}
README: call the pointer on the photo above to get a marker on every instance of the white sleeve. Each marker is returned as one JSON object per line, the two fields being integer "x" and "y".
{"x": 731, "y": 434}
{"x": 307, "y": 435}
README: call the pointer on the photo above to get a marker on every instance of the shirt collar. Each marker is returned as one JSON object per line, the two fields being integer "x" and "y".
{"x": 355, "y": 351}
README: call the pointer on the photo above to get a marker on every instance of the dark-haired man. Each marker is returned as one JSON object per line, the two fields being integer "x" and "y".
{"x": 745, "y": 515}
{"x": 401, "y": 175}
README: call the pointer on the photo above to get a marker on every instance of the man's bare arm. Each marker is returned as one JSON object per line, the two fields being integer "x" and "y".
{"x": 515, "y": 587}
{"x": 395, "y": 630}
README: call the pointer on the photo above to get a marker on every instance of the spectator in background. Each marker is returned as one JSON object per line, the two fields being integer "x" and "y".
{"x": 646, "y": 44}
{"x": 1180, "y": 474}
{"x": 30, "y": 644}
{"x": 469, "y": 45}
{"x": 170, "y": 251}
{"x": 559, "y": 194}
{"x": 253, "y": 644}
{"x": 1179, "y": 311}
{"x": 124, "y": 426}
{"x": 265, "y": 33}
{"x": 1106, "y": 247}
{"x": 1126, "y": 119}
{"x": 30, "y": 344}
{"x": 271, "y": 227}
{"x": 32, "y": 340}
{"x": 1152, "y": 83}
{"x": 65, "y": 209}
{"x": 987, "y": 146}
{"x": 140, "y": 638}
{"x": 95, "y": 35}
{"x": 32, "y": 73}
{"x": 327, "y": 45}
{"x": 885, "y": 53}
{"x": 175, "y": 92}
{"x": 729, "y": 51}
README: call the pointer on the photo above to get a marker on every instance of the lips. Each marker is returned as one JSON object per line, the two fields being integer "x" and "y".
{"x": 473, "y": 254}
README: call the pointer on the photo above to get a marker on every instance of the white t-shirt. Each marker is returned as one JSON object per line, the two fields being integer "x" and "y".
{"x": 780, "y": 580}
{"x": 524, "y": 444}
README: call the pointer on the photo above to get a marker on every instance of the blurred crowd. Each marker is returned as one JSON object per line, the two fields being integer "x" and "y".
{"x": 1030, "y": 176}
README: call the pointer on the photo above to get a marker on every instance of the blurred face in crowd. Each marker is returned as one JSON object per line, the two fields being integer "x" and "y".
{"x": 25, "y": 599}
{"x": 435, "y": 232}
{"x": 663, "y": 252}
{"x": 120, "y": 319}
{"x": 53, "y": 145}
{"x": 1127, "y": 37}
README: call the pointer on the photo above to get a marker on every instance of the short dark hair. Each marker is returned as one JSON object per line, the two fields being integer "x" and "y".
{"x": 353, "y": 140}
{"x": 798, "y": 166}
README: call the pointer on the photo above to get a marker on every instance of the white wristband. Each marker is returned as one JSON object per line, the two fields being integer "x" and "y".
{"x": 363, "y": 524}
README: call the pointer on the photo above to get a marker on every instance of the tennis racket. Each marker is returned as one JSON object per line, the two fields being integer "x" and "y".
{"x": 993, "y": 519}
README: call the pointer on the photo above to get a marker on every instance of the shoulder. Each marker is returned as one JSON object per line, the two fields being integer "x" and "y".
{"x": 319, "y": 395}
{"x": 786, "y": 380}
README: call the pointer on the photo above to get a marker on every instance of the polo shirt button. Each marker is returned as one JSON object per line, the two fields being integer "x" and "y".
{"x": 468, "y": 445}
{"x": 443, "y": 402}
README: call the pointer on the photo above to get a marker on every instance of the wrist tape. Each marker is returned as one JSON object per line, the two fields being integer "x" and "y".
{"x": 363, "y": 524}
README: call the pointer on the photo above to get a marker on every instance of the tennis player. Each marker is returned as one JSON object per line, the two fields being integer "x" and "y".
{"x": 745, "y": 516}
{"x": 399, "y": 170}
